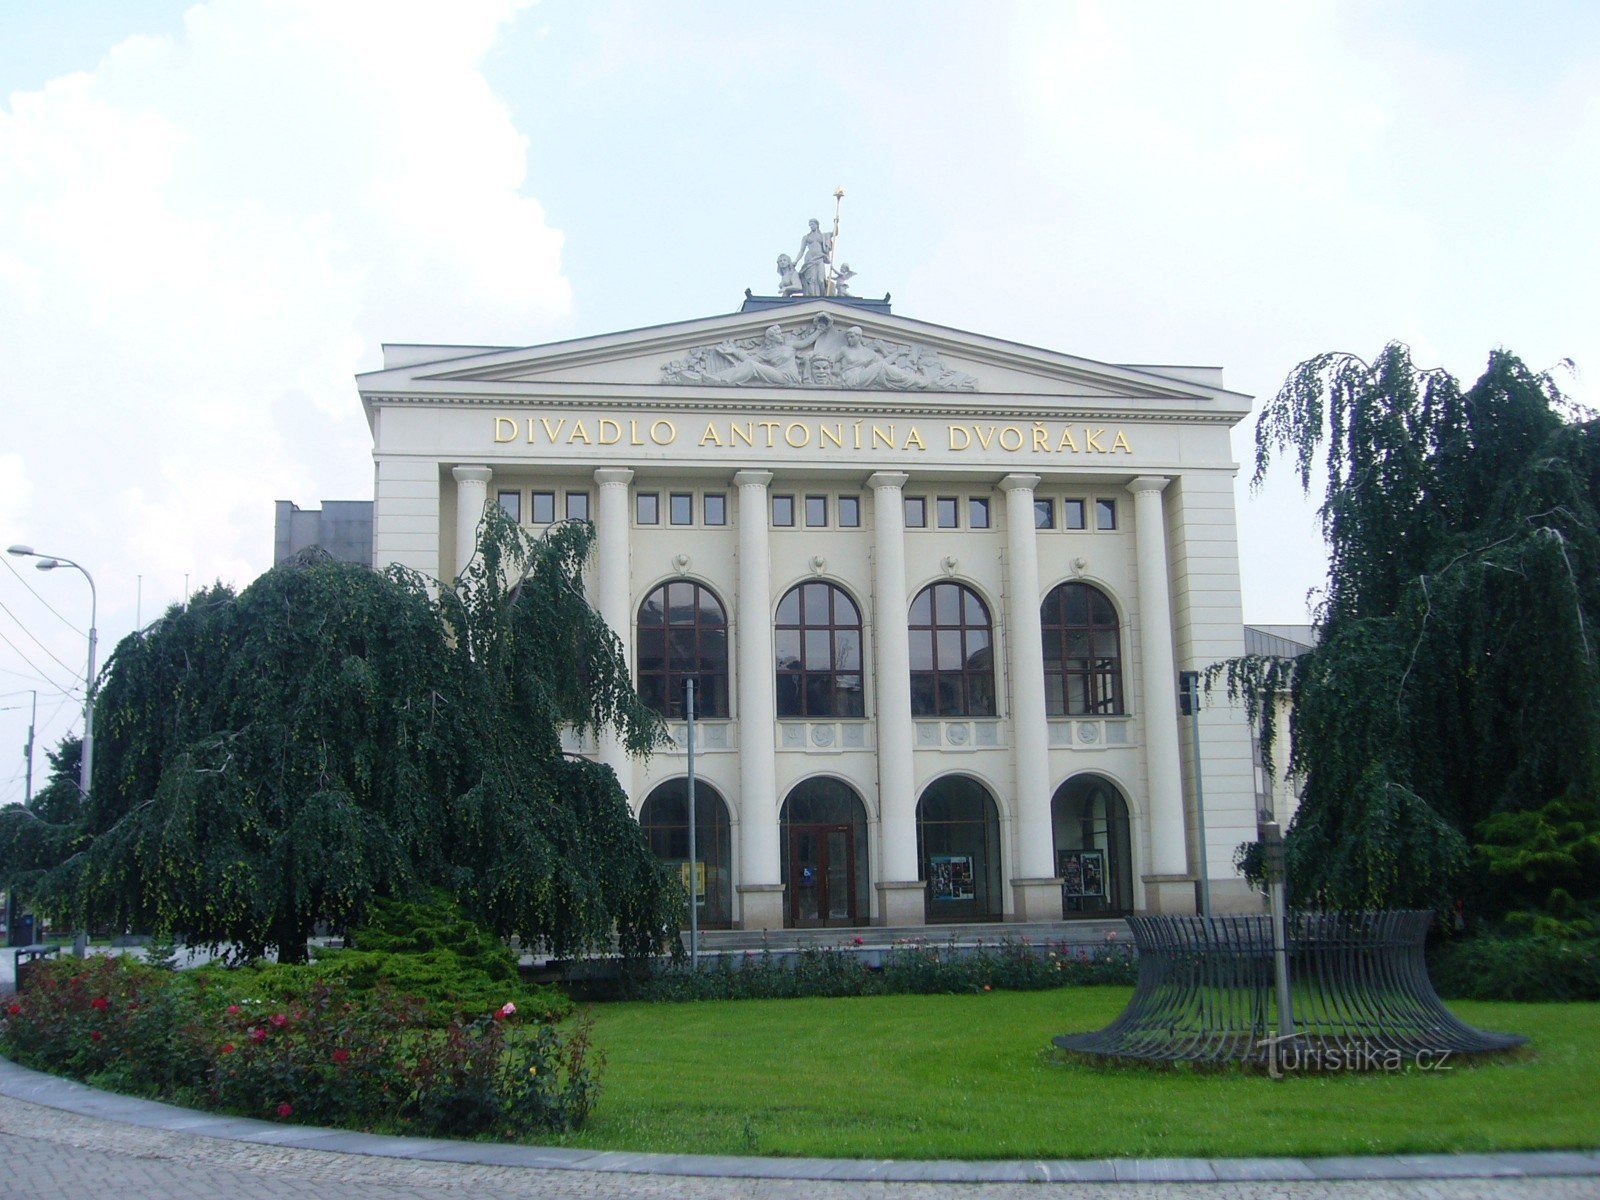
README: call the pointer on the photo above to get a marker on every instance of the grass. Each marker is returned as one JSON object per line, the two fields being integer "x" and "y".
{"x": 971, "y": 1076}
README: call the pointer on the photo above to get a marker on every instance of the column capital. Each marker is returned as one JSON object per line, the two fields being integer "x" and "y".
{"x": 1019, "y": 483}
{"x": 613, "y": 475}
{"x": 472, "y": 474}
{"x": 1148, "y": 483}
{"x": 752, "y": 478}
{"x": 887, "y": 479}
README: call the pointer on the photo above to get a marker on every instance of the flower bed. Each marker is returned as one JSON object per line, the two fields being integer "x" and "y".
{"x": 317, "y": 1051}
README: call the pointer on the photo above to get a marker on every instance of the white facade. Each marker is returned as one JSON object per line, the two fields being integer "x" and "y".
{"x": 1144, "y": 450}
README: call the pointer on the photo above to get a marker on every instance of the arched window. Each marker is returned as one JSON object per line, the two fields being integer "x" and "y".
{"x": 683, "y": 634}
{"x": 665, "y": 818}
{"x": 958, "y": 844}
{"x": 1094, "y": 854}
{"x": 818, "y": 642}
{"x": 1082, "y": 652}
{"x": 952, "y": 653}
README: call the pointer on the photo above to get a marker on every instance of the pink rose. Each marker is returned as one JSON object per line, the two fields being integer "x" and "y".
{"x": 341, "y": 1056}
{"x": 285, "y": 1109}
{"x": 99, "y": 1004}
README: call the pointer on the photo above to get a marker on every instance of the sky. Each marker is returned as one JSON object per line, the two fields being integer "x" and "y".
{"x": 212, "y": 215}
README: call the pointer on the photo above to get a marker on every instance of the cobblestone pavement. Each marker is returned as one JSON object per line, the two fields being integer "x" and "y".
{"x": 48, "y": 1153}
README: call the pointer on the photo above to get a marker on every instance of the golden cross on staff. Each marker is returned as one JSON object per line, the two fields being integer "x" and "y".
{"x": 833, "y": 275}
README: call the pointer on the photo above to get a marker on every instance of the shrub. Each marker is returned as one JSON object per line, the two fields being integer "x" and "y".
{"x": 295, "y": 1044}
{"x": 908, "y": 967}
{"x": 1493, "y": 966}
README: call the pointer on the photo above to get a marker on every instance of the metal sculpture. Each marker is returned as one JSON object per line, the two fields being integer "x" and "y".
{"x": 1360, "y": 996}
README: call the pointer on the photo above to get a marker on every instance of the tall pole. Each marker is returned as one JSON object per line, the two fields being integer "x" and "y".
{"x": 33, "y": 719}
{"x": 1191, "y": 705}
{"x": 694, "y": 857}
{"x": 833, "y": 247}
{"x": 49, "y": 562}
{"x": 1272, "y": 843}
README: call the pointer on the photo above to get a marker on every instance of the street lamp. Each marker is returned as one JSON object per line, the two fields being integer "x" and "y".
{"x": 49, "y": 562}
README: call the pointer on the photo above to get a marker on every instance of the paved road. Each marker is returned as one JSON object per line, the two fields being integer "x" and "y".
{"x": 49, "y": 1154}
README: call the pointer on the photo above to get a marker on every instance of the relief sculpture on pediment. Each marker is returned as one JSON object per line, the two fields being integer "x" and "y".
{"x": 819, "y": 355}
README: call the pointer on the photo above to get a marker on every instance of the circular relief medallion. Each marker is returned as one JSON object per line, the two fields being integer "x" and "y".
{"x": 1089, "y": 733}
{"x": 822, "y": 735}
{"x": 957, "y": 734}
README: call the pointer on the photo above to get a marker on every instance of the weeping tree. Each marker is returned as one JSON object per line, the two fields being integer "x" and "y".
{"x": 277, "y": 758}
{"x": 1446, "y": 728}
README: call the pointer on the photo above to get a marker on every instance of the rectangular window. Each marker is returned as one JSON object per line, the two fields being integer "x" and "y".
{"x": 977, "y": 513}
{"x": 680, "y": 508}
{"x": 647, "y": 508}
{"x": 541, "y": 507}
{"x": 849, "y": 512}
{"x": 1105, "y": 514}
{"x": 511, "y": 504}
{"x": 1044, "y": 514}
{"x": 1072, "y": 515}
{"x": 783, "y": 511}
{"x": 948, "y": 512}
{"x": 916, "y": 512}
{"x": 716, "y": 508}
{"x": 577, "y": 506}
{"x": 816, "y": 511}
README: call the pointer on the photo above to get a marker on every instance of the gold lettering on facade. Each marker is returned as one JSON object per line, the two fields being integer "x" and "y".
{"x": 552, "y": 434}
{"x": 1091, "y": 440}
{"x": 984, "y": 438}
{"x": 1066, "y": 442}
{"x": 912, "y": 439}
{"x": 580, "y": 433}
{"x": 824, "y": 436}
{"x": 805, "y": 439}
{"x": 1121, "y": 443}
{"x": 507, "y": 427}
{"x": 616, "y": 432}
{"x": 1041, "y": 440}
{"x": 883, "y": 436}
{"x": 711, "y": 438}
{"x": 747, "y": 435}
{"x": 771, "y": 428}
{"x": 961, "y": 432}
{"x": 672, "y": 433}
{"x": 858, "y": 435}
{"x": 633, "y": 434}
{"x": 1011, "y": 429}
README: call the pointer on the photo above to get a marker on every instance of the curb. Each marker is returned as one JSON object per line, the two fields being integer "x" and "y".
{"x": 35, "y": 1087}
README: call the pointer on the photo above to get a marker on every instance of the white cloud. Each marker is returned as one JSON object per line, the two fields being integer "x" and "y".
{"x": 204, "y": 237}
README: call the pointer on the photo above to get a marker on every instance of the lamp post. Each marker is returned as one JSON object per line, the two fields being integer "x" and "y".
{"x": 49, "y": 562}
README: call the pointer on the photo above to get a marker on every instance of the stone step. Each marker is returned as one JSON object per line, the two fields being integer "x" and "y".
{"x": 1071, "y": 933}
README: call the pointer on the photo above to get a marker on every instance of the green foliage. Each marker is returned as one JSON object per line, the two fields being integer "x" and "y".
{"x": 431, "y": 951}
{"x": 293, "y": 1043}
{"x": 333, "y": 735}
{"x": 1446, "y": 728}
{"x": 1517, "y": 967}
{"x": 915, "y": 967}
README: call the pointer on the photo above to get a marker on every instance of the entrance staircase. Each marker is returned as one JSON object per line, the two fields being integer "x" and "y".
{"x": 873, "y": 940}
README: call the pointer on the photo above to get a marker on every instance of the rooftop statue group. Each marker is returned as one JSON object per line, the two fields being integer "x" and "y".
{"x": 811, "y": 276}
{"x": 819, "y": 354}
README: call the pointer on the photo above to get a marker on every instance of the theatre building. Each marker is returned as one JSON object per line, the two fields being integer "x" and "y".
{"x": 935, "y": 588}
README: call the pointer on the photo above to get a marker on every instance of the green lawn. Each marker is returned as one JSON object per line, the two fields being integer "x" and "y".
{"x": 971, "y": 1077}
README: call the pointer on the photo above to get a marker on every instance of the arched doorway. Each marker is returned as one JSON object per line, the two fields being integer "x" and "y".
{"x": 958, "y": 845}
{"x": 665, "y": 819}
{"x": 1094, "y": 854}
{"x": 824, "y": 832}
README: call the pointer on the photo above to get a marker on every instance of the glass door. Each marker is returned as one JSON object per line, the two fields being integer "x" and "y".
{"x": 822, "y": 875}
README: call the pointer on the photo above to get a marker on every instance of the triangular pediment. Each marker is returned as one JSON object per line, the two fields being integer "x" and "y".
{"x": 823, "y": 348}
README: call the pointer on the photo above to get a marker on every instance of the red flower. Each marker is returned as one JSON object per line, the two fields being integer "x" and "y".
{"x": 15, "y": 1010}
{"x": 341, "y": 1055}
{"x": 259, "y": 1035}
{"x": 856, "y": 940}
{"x": 279, "y": 1020}
{"x": 227, "y": 1047}
{"x": 986, "y": 987}
{"x": 100, "y": 1004}
{"x": 94, "y": 1035}
{"x": 285, "y": 1109}
{"x": 233, "y": 1009}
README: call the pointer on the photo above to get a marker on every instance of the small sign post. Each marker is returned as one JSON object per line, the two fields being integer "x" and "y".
{"x": 694, "y": 857}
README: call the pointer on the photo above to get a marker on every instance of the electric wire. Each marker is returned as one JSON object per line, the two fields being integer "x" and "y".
{"x": 34, "y": 639}
{"x": 23, "y": 581}
{"x": 40, "y": 674}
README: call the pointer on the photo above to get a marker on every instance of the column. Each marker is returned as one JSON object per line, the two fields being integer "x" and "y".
{"x": 613, "y": 592}
{"x": 760, "y": 880}
{"x": 901, "y": 892}
{"x": 472, "y": 493}
{"x": 1168, "y": 886}
{"x": 1036, "y": 891}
